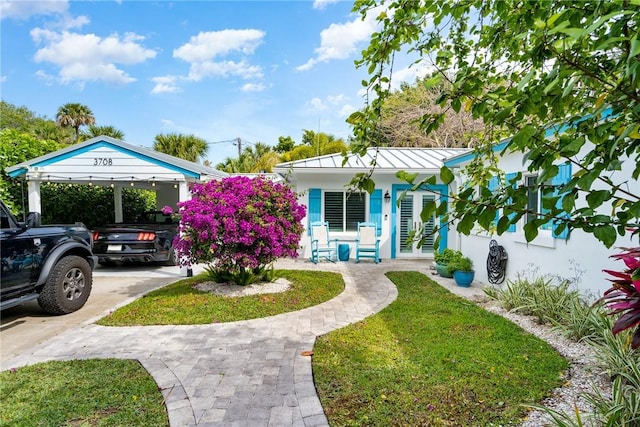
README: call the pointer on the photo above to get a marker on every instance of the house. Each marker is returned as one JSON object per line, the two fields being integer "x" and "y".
{"x": 322, "y": 185}
{"x": 573, "y": 255}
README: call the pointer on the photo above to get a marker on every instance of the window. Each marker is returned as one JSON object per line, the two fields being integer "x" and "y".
{"x": 534, "y": 200}
{"x": 344, "y": 210}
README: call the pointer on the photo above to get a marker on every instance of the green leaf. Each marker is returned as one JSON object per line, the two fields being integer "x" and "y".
{"x": 428, "y": 210}
{"x": 433, "y": 81}
{"x": 524, "y": 135}
{"x": 486, "y": 217}
{"x": 606, "y": 234}
{"x": 530, "y": 231}
{"x": 596, "y": 198}
{"x": 573, "y": 147}
{"x": 446, "y": 175}
{"x": 635, "y": 47}
{"x": 406, "y": 176}
{"x": 368, "y": 185}
{"x": 503, "y": 224}
{"x": 466, "y": 224}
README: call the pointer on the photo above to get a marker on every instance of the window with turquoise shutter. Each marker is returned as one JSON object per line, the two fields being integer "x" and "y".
{"x": 375, "y": 210}
{"x": 314, "y": 212}
{"x": 493, "y": 186}
{"x": 563, "y": 176}
{"x": 509, "y": 177}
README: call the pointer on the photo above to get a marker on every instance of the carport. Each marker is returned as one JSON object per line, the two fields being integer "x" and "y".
{"x": 111, "y": 162}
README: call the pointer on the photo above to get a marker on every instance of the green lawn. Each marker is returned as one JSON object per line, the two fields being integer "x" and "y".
{"x": 181, "y": 304}
{"x": 77, "y": 393}
{"x": 432, "y": 358}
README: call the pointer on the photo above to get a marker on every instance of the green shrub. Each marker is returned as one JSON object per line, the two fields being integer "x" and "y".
{"x": 460, "y": 264}
{"x": 447, "y": 256}
{"x": 540, "y": 297}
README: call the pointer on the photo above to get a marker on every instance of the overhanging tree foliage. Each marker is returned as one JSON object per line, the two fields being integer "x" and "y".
{"x": 531, "y": 68}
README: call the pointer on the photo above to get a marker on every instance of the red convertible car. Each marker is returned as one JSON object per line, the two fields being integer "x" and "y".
{"x": 148, "y": 239}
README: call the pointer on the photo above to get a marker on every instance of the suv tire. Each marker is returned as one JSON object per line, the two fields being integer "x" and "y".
{"x": 67, "y": 287}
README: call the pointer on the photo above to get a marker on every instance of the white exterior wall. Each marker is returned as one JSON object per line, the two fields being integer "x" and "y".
{"x": 580, "y": 258}
{"x": 336, "y": 181}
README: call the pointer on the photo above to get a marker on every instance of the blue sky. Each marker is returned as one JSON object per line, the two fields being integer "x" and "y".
{"x": 220, "y": 70}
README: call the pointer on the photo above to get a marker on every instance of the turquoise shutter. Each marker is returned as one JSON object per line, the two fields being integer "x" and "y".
{"x": 315, "y": 207}
{"x": 493, "y": 186}
{"x": 509, "y": 177}
{"x": 375, "y": 210}
{"x": 563, "y": 176}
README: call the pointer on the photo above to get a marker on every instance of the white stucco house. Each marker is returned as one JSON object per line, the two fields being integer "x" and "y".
{"x": 320, "y": 183}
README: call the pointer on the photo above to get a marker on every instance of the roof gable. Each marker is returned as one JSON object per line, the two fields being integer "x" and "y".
{"x": 105, "y": 155}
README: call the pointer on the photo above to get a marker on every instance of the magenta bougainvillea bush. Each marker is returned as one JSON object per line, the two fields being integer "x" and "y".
{"x": 623, "y": 298}
{"x": 239, "y": 225}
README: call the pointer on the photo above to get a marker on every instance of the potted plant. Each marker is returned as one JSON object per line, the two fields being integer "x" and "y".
{"x": 462, "y": 270}
{"x": 443, "y": 259}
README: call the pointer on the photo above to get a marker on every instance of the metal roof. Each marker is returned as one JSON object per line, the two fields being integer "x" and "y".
{"x": 388, "y": 159}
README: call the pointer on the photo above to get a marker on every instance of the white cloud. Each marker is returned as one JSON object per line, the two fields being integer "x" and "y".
{"x": 337, "y": 99}
{"x": 339, "y": 41}
{"x": 321, "y": 4}
{"x": 168, "y": 124}
{"x": 88, "y": 57}
{"x": 3, "y": 79}
{"x": 26, "y": 9}
{"x": 165, "y": 84}
{"x": 202, "y": 50}
{"x": 346, "y": 110}
{"x": 410, "y": 74}
{"x": 207, "y": 45}
{"x": 200, "y": 70}
{"x": 316, "y": 104}
{"x": 253, "y": 87}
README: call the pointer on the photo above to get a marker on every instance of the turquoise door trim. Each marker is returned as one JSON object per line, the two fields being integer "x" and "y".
{"x": 396, "y": 189}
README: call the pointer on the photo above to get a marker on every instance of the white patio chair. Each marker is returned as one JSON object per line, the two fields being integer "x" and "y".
{"x": 367, "y": 242}
{"x": 321, "y": 244}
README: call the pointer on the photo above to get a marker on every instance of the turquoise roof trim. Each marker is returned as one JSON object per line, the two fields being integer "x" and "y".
{"x": 102, "y": 144}
{"x": 549, "y": 132}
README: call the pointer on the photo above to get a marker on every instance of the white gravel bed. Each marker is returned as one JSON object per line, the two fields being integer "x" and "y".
{"x": 581, "y": 377}
{"x": 230, "y": 290}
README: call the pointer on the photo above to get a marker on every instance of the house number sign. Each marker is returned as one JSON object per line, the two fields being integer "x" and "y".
{"x": 102, "y": 161}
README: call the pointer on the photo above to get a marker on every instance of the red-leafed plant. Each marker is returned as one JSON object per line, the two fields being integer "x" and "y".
{"x": 623, "y": 298}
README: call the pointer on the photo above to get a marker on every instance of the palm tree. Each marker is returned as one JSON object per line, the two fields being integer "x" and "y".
{"x": 74, "y": 115}
{"x": 188, "y": 147}
{"x": 94, "y": 131}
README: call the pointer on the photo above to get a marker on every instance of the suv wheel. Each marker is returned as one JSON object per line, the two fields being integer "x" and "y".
{"x": 67, "y": 287}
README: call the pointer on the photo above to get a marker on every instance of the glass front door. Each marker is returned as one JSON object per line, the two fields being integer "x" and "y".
{"x": 408, "y": 220}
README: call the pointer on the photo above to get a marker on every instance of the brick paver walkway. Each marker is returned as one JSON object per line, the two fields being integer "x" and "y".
{"x": 248, "y": 373}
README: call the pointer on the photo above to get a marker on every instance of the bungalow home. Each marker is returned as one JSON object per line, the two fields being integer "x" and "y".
{"x": 321, "y": 184}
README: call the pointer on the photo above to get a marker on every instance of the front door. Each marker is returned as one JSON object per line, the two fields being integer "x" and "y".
{"x": 408, "y": 220}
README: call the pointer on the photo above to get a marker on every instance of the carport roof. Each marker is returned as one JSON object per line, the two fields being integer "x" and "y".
{"x": 146, "y": 155}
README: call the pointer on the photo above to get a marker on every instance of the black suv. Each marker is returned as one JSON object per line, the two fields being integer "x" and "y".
{"x": 50, "y": 263}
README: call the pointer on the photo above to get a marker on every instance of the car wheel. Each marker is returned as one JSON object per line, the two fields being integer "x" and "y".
{"x": 172, "y": 260}
{"x": 67, "y": 287}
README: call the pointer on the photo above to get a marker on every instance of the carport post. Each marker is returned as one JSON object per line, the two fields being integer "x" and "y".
{"x": 35, "y": 205}
{"x": 117, "y": 203}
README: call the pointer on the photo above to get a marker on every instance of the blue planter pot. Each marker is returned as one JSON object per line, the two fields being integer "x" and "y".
{"x": 463, "y": 278}
{"x": 443, "y": 271}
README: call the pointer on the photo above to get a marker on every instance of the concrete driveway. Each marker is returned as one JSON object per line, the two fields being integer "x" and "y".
{"x": 27, "y": 325}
